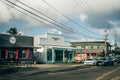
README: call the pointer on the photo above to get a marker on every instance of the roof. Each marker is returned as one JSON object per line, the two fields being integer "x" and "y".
{"x": 13, "y": 46}
{"x": 90, "y": 42}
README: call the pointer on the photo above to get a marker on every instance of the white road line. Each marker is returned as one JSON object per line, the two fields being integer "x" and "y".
{"x": 107, "y": 74}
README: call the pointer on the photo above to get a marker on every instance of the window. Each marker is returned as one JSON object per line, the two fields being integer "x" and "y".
{"x": 49, "y": 54}
{"x": 2, "y": 51}
{"x": 88, "y": 47}
{"x": 23, "y": 53}
{"x": 94, "y": 47}
{"x": 79, "y": 47}
{"x": 11, "y": 54}
{"x": 101, "y": 47}
{"x": 0, "y": 54}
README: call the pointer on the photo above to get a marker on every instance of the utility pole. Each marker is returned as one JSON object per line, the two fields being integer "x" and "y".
{"x": 106, "y": 35}
{"x": 115, "y": 44}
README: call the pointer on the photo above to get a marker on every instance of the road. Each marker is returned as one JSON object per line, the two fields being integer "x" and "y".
{"x": 81, "y": 73}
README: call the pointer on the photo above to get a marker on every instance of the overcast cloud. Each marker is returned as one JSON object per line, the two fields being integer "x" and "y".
{"x": 91, "y": 14}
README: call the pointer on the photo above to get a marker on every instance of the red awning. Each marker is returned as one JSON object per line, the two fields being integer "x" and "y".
{"x": 28, "y": 53}
{"x": 16, "y": 55}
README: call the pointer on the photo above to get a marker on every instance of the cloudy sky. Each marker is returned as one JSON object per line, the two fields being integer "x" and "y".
{"x": 77, "y": 20}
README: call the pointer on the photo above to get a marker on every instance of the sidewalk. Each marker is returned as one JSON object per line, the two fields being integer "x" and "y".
{"x": 41, "y": 68}
{"x": 57, "y": 67}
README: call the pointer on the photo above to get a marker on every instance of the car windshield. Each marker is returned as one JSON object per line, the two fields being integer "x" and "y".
{"x": 90, "y": 59}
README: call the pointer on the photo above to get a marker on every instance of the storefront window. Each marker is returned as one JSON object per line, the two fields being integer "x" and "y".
{"x": 49, "y": 54}
{"x": 59, "y": 55}
{"x": 11, "y": 54}
{"x": 23, "y": 53}
{"x": 0, "y": 54}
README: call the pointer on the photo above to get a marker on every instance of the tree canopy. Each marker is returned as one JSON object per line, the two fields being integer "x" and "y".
{"x": 13, "y": 31}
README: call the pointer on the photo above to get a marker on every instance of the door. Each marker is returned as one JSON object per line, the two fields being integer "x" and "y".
{"x": 58, "y": 56}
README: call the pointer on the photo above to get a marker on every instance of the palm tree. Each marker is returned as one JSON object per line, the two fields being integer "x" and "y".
{"x": 13, "y": 31}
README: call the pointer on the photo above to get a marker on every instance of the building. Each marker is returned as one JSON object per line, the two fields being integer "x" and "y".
{"x": 17, "y": 49}
{"x": 52, "y": 48}
{"x": 93, "y": 49}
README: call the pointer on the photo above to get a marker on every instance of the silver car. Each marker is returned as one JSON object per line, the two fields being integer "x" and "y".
{"x": 90, "y": 61}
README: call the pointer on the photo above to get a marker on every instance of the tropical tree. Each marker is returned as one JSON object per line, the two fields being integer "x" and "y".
{"x": 13, "y": 31}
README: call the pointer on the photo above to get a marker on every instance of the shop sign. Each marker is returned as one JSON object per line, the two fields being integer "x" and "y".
{"x": 12, "y": 40}
{"x": 56, "y": 38}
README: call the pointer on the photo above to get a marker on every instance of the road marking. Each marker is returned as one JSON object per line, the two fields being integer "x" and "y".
{"x": 99, "y": 78}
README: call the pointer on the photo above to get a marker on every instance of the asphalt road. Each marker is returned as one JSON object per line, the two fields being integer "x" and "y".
{"x": 77, "y": 73}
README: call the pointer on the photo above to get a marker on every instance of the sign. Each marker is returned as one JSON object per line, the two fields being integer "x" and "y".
{"x": 56, "y": 38}
{"x": 12, "y": 40}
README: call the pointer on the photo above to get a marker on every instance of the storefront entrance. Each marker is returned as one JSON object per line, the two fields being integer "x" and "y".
{"x": 58, "y": 56}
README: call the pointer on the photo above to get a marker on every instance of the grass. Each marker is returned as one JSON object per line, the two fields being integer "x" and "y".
{"x": 12, "y": 69}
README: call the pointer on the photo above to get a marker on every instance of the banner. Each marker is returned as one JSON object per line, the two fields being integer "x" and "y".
{"x": 6, "y": 54}
{"x": 16, "y": 57}
{"x": 27, "y": 53}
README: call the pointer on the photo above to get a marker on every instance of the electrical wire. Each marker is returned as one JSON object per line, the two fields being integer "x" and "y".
{"x": 42, "y": 14}
{"x": 31, "y": 12}
{"x": 68, "y": 17}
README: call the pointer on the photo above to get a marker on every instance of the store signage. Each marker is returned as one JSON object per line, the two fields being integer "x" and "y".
{"x": 12, "y": 40}
{"x": 56, "y": 38}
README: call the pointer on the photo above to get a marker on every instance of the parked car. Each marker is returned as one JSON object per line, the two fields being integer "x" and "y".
{"x": 108, "y": 62}
{"x": 117, "y": 60}
{"x": 100, "y": 61}
{"x": 90, "y": 61}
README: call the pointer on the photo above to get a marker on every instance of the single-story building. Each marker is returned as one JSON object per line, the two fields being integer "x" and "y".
{"x": 52, "y": 48}
{"x": 16, "y": 48}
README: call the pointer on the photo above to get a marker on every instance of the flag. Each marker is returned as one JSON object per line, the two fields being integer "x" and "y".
{"x": 6, "y": 54}
{"x": 28, "y": 53}
{"x": 16, "y": 57}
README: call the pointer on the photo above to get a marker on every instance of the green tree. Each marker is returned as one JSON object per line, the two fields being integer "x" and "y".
{"x": 13, "y": 31}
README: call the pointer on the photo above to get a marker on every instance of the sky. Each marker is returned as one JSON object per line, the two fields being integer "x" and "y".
{"x": 77, "y": 20}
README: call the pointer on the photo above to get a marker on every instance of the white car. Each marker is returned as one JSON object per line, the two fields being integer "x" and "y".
{"x": 90, "y": 61}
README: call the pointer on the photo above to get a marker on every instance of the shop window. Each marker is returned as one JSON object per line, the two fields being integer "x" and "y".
{"x": 94, "y": 47}
{"x": 101, "y": 47}
{"x": 23, "y": 53}
{"x": 88, "y": 47}
{"x": 49, "y": 54}
{"x": 0, "y": 54}
{"x": 11, "y": 54}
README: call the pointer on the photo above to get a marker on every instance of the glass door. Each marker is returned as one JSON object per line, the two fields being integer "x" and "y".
{"x": 58, "y": 56}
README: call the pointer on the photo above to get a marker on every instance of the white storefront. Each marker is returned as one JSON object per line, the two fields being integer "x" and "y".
{"x": 52, "y": 48}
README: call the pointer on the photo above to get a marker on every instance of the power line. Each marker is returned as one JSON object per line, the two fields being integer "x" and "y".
{"x": 67, "y": 16}
{"x": 42, "y": 14}
{"x": 41, "y": 17}
{"x": 94, "y": 10}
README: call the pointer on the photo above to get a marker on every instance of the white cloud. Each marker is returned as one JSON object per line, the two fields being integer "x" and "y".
{"x": 5, "y": 14}
{"x": 54, "y": 31}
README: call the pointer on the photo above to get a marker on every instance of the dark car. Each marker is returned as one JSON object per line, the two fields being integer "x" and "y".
{"x": 118, "y": 60}
{"x": 100, "y": 61}
{"x": 108, "y": 62}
